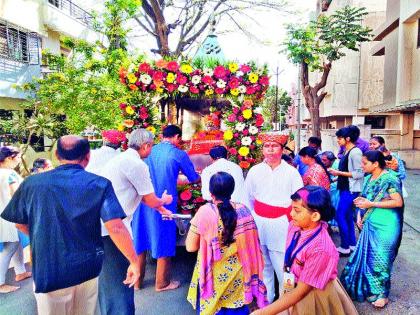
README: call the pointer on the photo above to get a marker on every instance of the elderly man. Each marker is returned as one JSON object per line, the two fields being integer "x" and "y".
{"x": 269, "y": 186}
{"x": 151, "y": 232}
{"x": 111, "y": 143}
{"x": 61, "y": 210}
{"x": 220, "y": 163}
{"x": 130, "y": 178}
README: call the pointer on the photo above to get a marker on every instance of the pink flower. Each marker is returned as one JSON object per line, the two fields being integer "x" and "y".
{"x": 231, "y": 118}
{"x": 233, "y": 151}
{"x": 144, "y": 67}
{"x": 264, "y": 80}
{"x": 241, "y": 118}
{"x": 181, "y": 79}
{"x": 171, "y": 87}
{"x": 207, "y": 80}
{"x": 144, "y": 116}
{"x": 250, "y": 90}
{"x": 219, "y": 90}
{"x": 245, "y": 68}
{"x": 194, "y": 89}
{"x": 259, "y": 120}
{"x": 238, "y": 142}
{"x": 245, "y": 132}
{"x": 233, "y": 83}
{"x": 236, "y": 134}
{"x": 185, "y": 195}
{"x": 220, "y": 72}
{"x": 123, "y": 106}
{"x": 236, "y": 110}
{"x": 157, "y": 76}
{"x": 172, "y": 66}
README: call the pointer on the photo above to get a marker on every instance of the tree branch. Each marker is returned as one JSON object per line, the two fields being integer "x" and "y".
{"x": 323, "y": 82}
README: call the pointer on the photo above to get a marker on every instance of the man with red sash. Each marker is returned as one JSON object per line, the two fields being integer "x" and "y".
{"x": 269, "y": 186}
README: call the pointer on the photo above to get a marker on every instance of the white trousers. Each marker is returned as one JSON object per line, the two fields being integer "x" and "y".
{"x": 12, "y": 251}
{"x": 76, "y": 300}
{"x": 273, "y": 262}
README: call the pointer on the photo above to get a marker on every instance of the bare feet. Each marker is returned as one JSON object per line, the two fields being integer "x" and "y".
{"x": 137, "y": 285}
{"x": 23, "y": 276}
{"x": 380, "y": 303}
{"x": 171, "y": 286}
{"x": 5, "y": 288}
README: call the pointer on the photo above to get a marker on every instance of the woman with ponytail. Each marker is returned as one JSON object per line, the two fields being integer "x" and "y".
{"x": 317, "y": 174}
{"x": 228, "y": 273}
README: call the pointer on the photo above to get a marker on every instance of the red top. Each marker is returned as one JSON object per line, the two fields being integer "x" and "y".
{"x": 316, "y": 176}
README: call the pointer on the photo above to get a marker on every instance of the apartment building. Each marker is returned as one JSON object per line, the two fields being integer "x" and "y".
{"x": 26, "y": 28}
{"x": 397, "y": 41}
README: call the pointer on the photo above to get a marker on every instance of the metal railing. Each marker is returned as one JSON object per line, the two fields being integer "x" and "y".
{"x": 74, "y": 11}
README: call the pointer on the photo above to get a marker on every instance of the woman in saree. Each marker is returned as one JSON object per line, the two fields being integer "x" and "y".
{"x": 367, "y": 275}
{"x": 228, "y": 273}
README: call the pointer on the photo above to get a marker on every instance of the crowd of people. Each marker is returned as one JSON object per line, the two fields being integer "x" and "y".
{"x": 263, "y": 241}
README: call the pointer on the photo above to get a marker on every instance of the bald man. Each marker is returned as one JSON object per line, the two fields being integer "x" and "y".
{"x": 61, "y": 210}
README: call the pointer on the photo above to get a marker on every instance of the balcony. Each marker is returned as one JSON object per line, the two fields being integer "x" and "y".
{"x": 65, "y": 17}
{"x": 74, "y": 11}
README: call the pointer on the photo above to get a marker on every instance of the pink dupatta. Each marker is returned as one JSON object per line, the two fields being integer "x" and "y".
{"x": 249, "y": 252}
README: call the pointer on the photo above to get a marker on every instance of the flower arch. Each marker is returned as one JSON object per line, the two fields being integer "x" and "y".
{"x": 243, "y": 85}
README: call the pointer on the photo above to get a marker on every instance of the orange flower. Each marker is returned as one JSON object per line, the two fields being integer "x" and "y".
{"x": 248, "y": 103}
{"x": 133, "y": 87}
{"x": 128, "y": 123}
{"x": 244, "y": 164}
{"x": 161, "y": 63}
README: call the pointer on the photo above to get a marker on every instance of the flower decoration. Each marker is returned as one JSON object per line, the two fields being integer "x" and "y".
{"x": 190, "y": 198}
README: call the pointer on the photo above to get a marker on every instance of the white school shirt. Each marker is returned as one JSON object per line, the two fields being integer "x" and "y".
{"x": 272, "y": 187}
{"x": 131, "y": 180}
{"x": 99, "y": 158}
{"x": 223, "y": 165}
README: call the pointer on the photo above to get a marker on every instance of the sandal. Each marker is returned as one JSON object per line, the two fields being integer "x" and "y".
{"x": 171, "y": 286}
{"x": 5, "y": 288}
{"x": 23, "y": 276}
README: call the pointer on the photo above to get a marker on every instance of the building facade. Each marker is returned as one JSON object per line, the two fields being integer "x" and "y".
{"x": 26, "y": 28}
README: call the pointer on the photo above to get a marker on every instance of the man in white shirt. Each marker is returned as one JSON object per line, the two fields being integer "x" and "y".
{"x": 269, "y": 186}
{"x": 130, "y": 178}
{"x": 220, "y": 163}
{"x": 111, "y": 143}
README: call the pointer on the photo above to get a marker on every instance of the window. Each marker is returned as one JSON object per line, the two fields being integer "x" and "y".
{"x": 376, "y": 122}
{"x": 418, "y": 33}
{"x": 17, "y": 44}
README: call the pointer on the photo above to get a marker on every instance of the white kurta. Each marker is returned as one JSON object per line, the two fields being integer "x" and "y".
{"x": 131, "y": 180}
{"x": 272, "y": 187}
{"x": 223, "y": 165}
{"x": 99, "y": 157}
{"x": 8, "y": 231}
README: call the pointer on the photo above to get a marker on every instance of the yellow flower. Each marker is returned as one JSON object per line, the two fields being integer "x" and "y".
{"x": 185, "y": 68}
{"x": 243, "y": 151}
{"x": 247, "y": 113}
{"x": 209, "y": 92}
{"x": 93, "y": 91}
{"x": 129, "y": 110}
{"x": 159, "y": 90}
{"x": 170, "y": 78}
{"x": 151, "y": 129}
{"x": 131, "y": 78}
{"x": 228, "y": 135}
{"x": 259, "y": 142}
{"x": 120, "y": 127}
{"x": 233, "y": 67}
{"x": 234, "y": 92}
{"x": 253, "y": 77}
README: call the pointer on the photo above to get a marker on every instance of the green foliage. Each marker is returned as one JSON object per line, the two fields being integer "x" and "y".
{"x": 327, "y": 38}
{"x": 269, "y": 102}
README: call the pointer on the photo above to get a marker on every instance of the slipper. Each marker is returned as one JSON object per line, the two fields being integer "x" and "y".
{"x": 171, "y": 286}
{"x": 5, "y": 288}
{"x": 23, "y": 276}
{"x": 379, "y": 307}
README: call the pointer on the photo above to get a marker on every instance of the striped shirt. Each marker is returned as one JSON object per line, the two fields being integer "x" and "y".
{"x": 316, "y": 264}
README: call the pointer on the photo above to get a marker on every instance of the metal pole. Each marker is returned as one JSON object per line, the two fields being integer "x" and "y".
{"x": 276, "y": 117}
{"x": 298, "y": 112}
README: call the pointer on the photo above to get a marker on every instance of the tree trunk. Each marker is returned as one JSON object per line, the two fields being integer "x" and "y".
{"x": 316, "y": 124}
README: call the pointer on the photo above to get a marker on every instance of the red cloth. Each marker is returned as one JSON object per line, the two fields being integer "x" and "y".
{"x": 267, "y": 211}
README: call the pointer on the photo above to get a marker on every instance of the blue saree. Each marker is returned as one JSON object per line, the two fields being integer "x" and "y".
{"x": 367, "y": 275}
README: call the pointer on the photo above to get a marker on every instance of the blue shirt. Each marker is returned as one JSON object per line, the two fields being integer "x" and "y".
{"x": 302, "y": 167}
{"x": 63, "y": 209}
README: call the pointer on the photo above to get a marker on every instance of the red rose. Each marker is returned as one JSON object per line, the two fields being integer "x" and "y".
{"x": 245, "y": 68}
{"x": 181, "y": 79}
{"x": 144, "y": 116}
{"x": 194, "y": 89}
{"x": 219, "y": 72}
{"x": 250, "y": 90}
{"x": 185, "y": 195}
{"x": 264, "y": 80}
{"x": 259, "y": 120}
{"x": 144, "y": 67}
{"x": 233, "y": 151}
{"x": 172, "y": 66}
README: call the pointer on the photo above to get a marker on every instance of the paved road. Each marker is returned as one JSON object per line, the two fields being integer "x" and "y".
{"x": 405, "y": 291}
